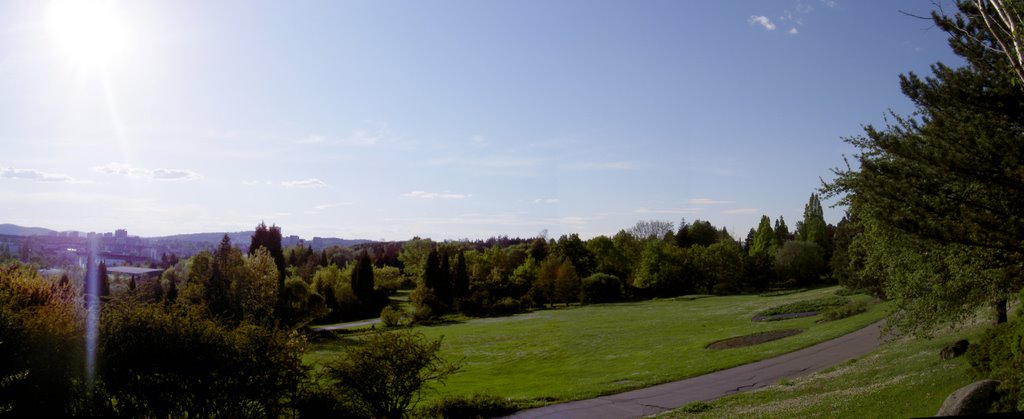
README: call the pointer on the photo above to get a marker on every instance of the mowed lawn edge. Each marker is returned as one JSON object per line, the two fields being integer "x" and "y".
{"x": 557, "y": 355}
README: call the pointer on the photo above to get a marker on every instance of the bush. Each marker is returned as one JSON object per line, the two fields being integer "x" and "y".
{"x": 600, "y": 288}
{"x": 385, "y": 372}
{"x": 805, "y": 306}
{"x": 176, "y": 362}
{"x": 850, "y": 309}
{"x": 392, "y": 317}
{"x": 42, "y": 351}
{"x": 999, "y": 354}
{"x": 475, "y": 406}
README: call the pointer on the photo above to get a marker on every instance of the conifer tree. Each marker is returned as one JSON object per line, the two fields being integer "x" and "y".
{"x": 764, "y": 238}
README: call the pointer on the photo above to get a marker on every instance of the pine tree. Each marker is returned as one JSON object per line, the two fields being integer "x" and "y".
{"x": 781, "y": 232}
{"x": 460, "y": 277}
{"x": 104, "y": 280}
{"x": 764, "y": 238}
{"x": 362, "y": 278}
{"x": 813, "y": 228}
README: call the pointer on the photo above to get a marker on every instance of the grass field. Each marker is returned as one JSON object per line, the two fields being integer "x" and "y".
{"x": 581, "y": 352}
{"x": 902, "y": 378}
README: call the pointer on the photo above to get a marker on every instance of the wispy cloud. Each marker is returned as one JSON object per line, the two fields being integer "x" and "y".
{"x": 612, "y": 165}
{"x": 304, "y": 184}
{"x": 34, "y": 175}
{"x": 793, "y": 31}
{"x": 356, "y": 138}
{"x": 830, "y": 3}
{"x": 762, "y": 21}
{"x": 741, "y": 211}
{"x": 436, "y": 195}
{"x": 546, "y": 201}
{"x": 127, "y": 170}
{"x": 707, "y": 201}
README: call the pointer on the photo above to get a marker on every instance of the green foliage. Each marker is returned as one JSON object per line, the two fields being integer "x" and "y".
{"x": 254, "y": 292}
{"x": 567, "y": 283}
{"x": 386, "y": 371}
{"x": 695, "y": 407}
{"x": 800, "y": 263}
{"x": 302, "y": 303}
{"x": 764, "y": 237}
{"x": 388, "y": 279}
{"x": 41, "y": 358}
{"x": 392, "y": 317}
{"x": 813, "y": 228}
{"x": 158, "y": 361}
{"x": 851, "y": 308}
{"x": 999, "y": 354}
{"x": 781, "y": 232}
{"x": 470, "y": 407}
{"x": 805, "y": 306}
{"x": 600, "y": 288}
{"x": 665, "y": 270}
{"x": 573, "y": 248}
{"x": 721, "y": 266}
{"x": 414, "y": 256}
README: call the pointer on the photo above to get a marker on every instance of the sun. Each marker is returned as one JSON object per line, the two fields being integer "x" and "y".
{"x": 89, "y": 33}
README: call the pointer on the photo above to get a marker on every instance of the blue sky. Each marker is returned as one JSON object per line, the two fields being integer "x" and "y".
{"x": 442, "y": 119}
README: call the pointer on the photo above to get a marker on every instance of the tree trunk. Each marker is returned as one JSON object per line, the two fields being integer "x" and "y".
{"x": 1000, "y": 306}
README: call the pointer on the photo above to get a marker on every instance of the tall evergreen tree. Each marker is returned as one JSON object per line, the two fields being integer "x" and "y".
{"x": 104, "y": 280}
{"x": 270, "y": 238}
{"x": 781, "y": 232}
{"x": 216, "y": 290}
{"x": 764, "y": 238}
{"x": 813, "y": 228}
{"x": 938, "y": 194}
{"x": 362, "y": 279}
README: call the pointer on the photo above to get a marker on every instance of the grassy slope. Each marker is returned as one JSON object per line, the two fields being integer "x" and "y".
{"x": 569, "y": 354}
{"x": 903, "y": 378}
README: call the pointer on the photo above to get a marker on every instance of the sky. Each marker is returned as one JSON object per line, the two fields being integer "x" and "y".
{"x": 446, "y": 119}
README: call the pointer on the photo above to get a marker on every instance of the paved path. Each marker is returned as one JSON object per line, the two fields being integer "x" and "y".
{"x": 340, "y": 326}
{"x": 653, "y": 400}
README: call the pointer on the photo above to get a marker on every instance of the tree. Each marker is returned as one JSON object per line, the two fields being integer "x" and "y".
{"x": 721, "y": 266}
{"x": 813, "y": 228}
{"x": 945, "y": 181}
{"x": 994, "y": 25}
{"x": 600, "y": 288}
{"x": 700, "y": 233}
{"x": 567, "y": 283}
{"x": 650, "y": 228}
{"x": 781, "y": 232}
{"x": 460, "y": 277}
{"x": 176, "y": 361}
{"x": 255, "y": 292}
{"x": 570, "y": 246}
{"x": 764, "y": 238}
{"x": 387, "y": 371}
{"x": 270, "y": 238}
{"x": 104, "y": 279}
{"x": 800, "y": 263}
{"x": 224, "y": 267}
{"x": 362, "y": 278}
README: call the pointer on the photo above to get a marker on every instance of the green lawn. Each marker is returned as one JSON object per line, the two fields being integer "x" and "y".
{"x": 903, "y": 378}
{"x": 581, "y": 352}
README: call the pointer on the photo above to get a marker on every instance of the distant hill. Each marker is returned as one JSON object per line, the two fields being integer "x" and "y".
{"x": 16, "y": 230}
{"x": 237, "y": 238}
{"x": 242, "y": 238}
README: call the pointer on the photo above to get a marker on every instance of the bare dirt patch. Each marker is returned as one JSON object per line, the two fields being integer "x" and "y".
{"x": 753, "y": 339}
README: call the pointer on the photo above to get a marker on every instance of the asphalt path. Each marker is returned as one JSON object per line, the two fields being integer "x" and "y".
{"x": 663, "y": 397}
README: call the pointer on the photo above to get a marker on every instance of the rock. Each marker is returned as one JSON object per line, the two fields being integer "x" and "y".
{"x": 954, "y": 350}
{"x": 973, "y": 399}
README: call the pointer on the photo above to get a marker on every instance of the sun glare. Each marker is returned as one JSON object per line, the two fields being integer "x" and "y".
{"x": 88, "y": 32}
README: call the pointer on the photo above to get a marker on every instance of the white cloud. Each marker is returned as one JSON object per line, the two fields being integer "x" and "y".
{"x": 830, "y": 3}
{"x": 122, "y": 169}
{"x": 356, "y": 138}
{"x": 793, "y": 31}
{"x": 546, "y": 201}
{"x": 34, "y": 175}
{"x": 762, "y": 21}
{"x": 741, "y": 211}
{"x": 707, "y": 201}
{"x": 433, "y": 195}
{"x": 257, "y": 182}
{"x": 307, "y": 183}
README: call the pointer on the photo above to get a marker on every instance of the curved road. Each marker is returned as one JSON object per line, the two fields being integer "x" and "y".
{"x": 657, "y": 399}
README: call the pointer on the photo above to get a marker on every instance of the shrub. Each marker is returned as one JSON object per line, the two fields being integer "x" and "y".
{"x": 600, "y": 288}
{"x": 475, "y": 406}
{"x": 392, "y": 317}
{"x": 999, "y": 354}
{"x": 805, "y": 306}
{"x": 849, "y": 309}
{"x": 386, "y": 371}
